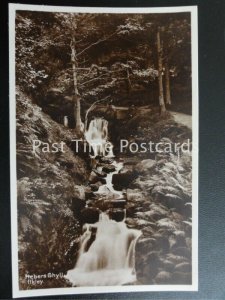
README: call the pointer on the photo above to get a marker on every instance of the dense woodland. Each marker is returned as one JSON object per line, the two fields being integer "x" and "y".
{"x": 70, "y": 61}
{"x": 68, "y": 65}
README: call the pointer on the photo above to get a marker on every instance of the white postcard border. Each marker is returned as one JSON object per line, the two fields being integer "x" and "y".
{"x": 13, "y": 180}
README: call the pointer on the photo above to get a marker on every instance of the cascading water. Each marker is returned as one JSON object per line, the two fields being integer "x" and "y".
{"x": 109, "y": 259}
{"x": 97, "y": 137}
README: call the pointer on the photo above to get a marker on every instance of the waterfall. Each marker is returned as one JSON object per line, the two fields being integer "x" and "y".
{"x": 108, "y": 187}
{"x": 97, "y": 137}
{"x": 106, "y": 253}
{"x": 110, "y": 258}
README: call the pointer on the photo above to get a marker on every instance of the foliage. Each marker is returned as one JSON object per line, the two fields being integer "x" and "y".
{"x": 115, "y": 53}
{"x": 46, "y": 186}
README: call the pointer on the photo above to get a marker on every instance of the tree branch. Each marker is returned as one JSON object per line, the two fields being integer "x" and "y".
{"x": 96, "y": 43}
{"x": 91, "y": 108}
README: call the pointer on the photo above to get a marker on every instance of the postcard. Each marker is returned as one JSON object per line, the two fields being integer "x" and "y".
{"x": 104, "y": 149}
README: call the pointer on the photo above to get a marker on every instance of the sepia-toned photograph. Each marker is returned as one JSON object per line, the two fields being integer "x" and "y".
{"x": 104, "y": 149}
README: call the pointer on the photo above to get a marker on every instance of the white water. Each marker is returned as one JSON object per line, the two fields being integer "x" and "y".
{"x": 110, "y": 258}
{"x": 107, "y": 188}
{"x": 97, "y": 137}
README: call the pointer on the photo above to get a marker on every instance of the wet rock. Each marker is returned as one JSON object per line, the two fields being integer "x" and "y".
{"x": 94, "y": 178}
{"x": 131, "y": 222}
{"x": 117, "y": 214}
{"x": 106, "y": 160}
{"x": 130, "y": 210}
{"x": 122, "y": 180}
{"x": 118, "y": 203}
{"x": 95, "y": 187}
{"x": 127, "y": 168}
{"x": 99, "y": 173}
{"x": 77, "y": 205}
{"x": 92, "y": 238}
{"x": 90, "y": 215}
{"x": 89, "y": 193}
{"x": 108, "y": 168}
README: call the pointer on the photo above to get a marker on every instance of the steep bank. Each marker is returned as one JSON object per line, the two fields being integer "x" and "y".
{"x": 50, "y": 190}
{"x": 159, "y": 199}
{"x": 53, "y": 191}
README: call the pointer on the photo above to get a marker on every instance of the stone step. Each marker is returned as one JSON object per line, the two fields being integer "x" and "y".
{"x": 106, "y": 160}
{"x": 117, "y": 214}
{"x": 108, "y": 168}
{"x": 100, "y": 173}
{"x": 90, "y": 215}
{"x": 122, "y": 180}
{"x": 119, "y": 203}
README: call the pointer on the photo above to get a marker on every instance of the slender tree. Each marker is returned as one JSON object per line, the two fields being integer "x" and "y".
{"x": 160, "y": 73}
{"x": 167, "y": 82}
{"x": 76, "y": 95}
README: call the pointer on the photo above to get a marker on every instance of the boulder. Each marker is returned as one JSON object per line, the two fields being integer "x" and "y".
{"x": 93, "y": 178}
{"x": 108, "y": 168}
{"x": 99, "y": 173}
{"x": 118, "y": 203}
{"x": 89, "y": 193}
{"x": 131, "y": 210}
{"x": 117, "y": 214}
{"x": 95, "y": 187}
{"x": 89, "y": 215}
{"x": 122, "y": 180}
{"x": 77, "y": 205}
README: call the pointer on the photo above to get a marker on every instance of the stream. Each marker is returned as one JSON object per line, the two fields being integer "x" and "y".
{"x": 106, "y": 253}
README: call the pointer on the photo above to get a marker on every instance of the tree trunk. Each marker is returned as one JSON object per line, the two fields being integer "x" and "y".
{"x": 161, "y": 97}
{"x": 167, "y": 83}
{"x": 76, "y": 96}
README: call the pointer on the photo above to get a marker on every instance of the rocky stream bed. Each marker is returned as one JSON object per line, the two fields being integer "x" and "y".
{"x": 139, "y": 205}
